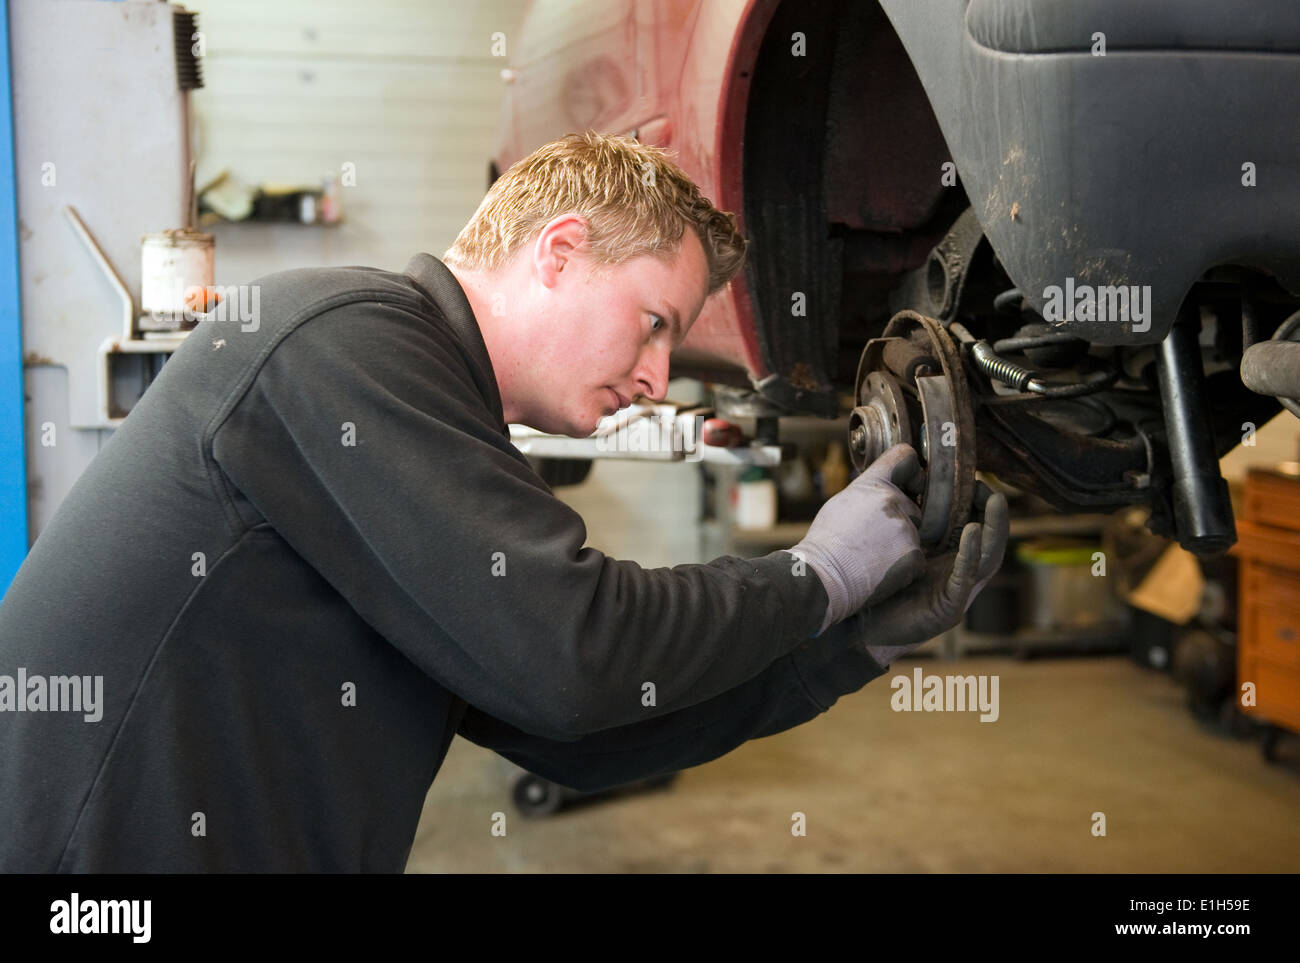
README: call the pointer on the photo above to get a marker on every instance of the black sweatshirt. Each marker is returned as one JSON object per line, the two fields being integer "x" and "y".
{"x": 307, "y": 559}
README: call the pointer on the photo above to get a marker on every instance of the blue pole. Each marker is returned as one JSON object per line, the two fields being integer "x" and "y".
{"x": 13, "y": 466}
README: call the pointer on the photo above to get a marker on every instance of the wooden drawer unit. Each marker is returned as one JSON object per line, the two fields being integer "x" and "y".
{"x": 1273, "y": 633}
{"x": 1275, "y": 689}
{"x": 1273, "y": 499}
{"x": 1271, "y": 585}
{"x": 1268, "y": 649}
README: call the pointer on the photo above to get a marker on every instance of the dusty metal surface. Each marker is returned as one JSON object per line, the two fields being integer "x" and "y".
{"x": 935, "y": 288}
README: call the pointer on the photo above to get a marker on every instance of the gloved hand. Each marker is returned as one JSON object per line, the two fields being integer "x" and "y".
{"x": 864, "y": 544}
{"x": 939, "y": 598}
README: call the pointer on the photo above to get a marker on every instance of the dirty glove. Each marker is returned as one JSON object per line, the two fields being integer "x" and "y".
{"x": 939, "y": 598}
{"x": 864, "y": 544}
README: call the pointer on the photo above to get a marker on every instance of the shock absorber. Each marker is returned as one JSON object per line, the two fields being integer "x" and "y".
{"x": 1202, "y": 508}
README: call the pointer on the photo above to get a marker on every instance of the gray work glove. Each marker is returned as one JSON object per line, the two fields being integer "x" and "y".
{"x": 939, "y": 598}
{"x": 864, "y": 544}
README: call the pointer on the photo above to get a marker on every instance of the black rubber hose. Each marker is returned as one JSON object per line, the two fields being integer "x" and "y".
{"x": 1035, "y": 341}
{"x": 1009, "y": 301}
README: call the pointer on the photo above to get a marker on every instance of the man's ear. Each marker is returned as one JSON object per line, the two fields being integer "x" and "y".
{"x": 557, "y": 246}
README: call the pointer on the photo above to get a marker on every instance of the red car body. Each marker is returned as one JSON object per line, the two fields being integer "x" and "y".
{"x": 672, "y": 74}
{"x": 837, "y": 203}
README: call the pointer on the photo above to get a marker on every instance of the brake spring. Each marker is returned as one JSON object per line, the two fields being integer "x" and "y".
{"x": 1023, "y": 379}
{"x": 1000, "y": 369}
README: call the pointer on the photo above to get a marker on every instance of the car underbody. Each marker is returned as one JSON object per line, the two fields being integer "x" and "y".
{"x": 855, "y": 214}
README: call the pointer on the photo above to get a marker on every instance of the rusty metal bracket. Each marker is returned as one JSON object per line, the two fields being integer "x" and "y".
{"x": 935, "y": 288}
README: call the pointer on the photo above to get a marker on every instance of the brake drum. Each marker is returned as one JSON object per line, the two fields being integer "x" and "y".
{"x": 911, "y": 389}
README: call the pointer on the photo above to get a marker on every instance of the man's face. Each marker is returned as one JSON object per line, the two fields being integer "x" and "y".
{"x": 615, "y": 328}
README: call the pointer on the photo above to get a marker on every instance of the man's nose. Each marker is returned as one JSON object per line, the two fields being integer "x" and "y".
{"x": 652, "y": 376}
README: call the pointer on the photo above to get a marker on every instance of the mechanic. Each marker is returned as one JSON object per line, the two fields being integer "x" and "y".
{"x": 311, "y": 555}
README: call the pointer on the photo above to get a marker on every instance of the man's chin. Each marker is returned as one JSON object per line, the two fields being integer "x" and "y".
{"x": 568, "y": 430}
{"x": 591, "y": 426}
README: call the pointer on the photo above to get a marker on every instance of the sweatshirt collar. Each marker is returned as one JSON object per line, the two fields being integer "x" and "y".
{"x": 433, "y": 277}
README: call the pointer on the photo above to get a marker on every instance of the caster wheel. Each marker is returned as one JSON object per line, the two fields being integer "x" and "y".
{"x": 1234, "y": 722}
{"x": 535, "y": 796}
{"x": 1268, "y": 744}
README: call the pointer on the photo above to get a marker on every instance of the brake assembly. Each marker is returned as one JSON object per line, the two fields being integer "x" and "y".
{"x": 911, "y": 389}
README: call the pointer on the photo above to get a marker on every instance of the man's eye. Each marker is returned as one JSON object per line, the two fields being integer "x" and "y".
{"x": 658, "y": 323}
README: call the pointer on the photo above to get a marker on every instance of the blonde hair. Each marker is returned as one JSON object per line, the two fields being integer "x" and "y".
{"x": 634, "y": 198}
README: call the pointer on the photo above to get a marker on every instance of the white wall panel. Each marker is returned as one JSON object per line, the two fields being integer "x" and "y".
{"x": 407, "y": 91}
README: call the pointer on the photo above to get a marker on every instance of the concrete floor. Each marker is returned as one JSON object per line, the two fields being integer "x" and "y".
{"x": 886, "y": 791}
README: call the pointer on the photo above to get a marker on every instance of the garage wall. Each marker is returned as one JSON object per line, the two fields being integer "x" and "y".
{"x": 408, "y": 91}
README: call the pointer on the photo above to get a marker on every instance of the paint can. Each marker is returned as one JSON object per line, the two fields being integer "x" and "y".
{"x": 172, "y": 263}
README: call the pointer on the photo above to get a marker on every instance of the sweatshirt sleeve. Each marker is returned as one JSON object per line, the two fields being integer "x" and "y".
{"x": 793, "y": 690}
{"x": 365, "y": 443}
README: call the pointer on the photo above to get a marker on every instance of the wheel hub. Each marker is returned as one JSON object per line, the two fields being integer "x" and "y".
{"x": 911, "y": 389}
